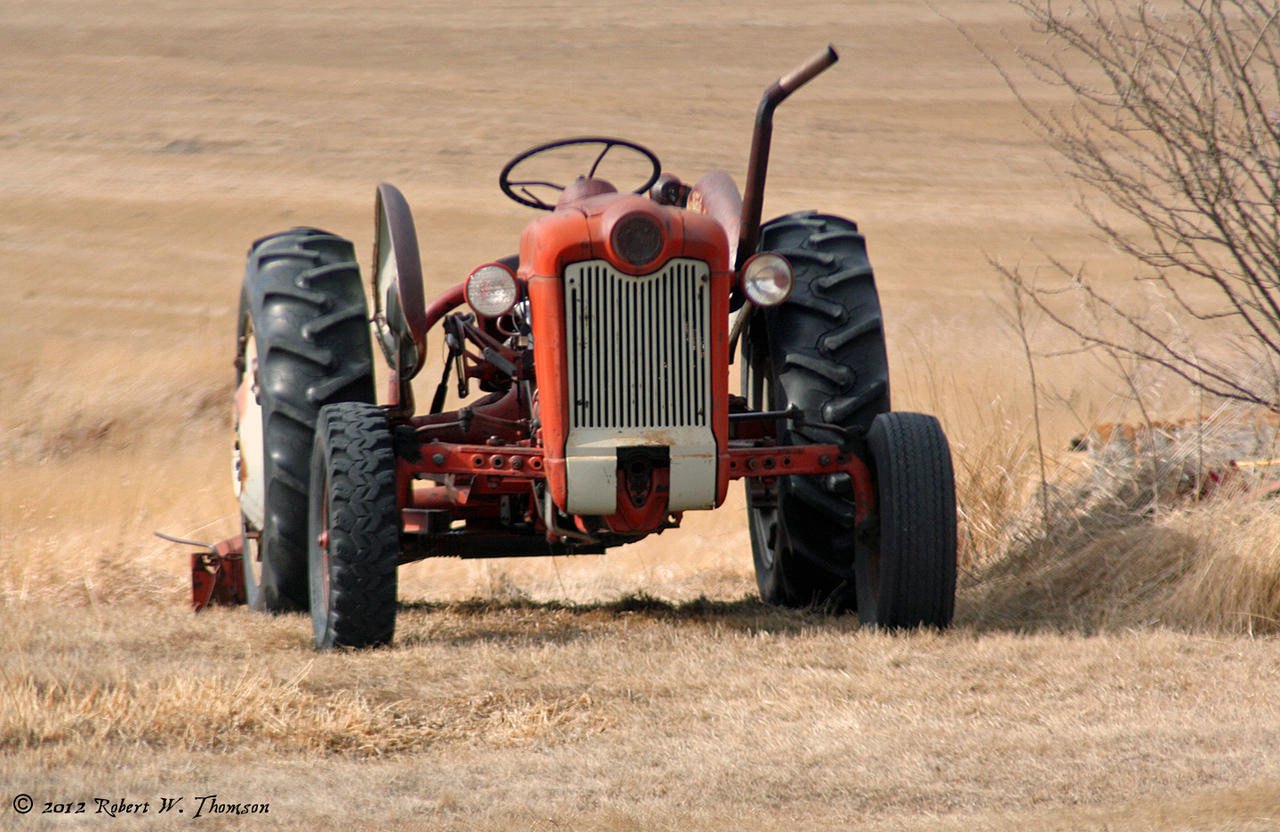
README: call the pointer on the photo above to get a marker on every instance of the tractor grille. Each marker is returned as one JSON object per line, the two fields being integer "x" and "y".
{"x": 639, "y": 347}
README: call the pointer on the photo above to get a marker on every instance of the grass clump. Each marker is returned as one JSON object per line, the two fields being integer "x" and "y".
{"x": 1154, "y": 527}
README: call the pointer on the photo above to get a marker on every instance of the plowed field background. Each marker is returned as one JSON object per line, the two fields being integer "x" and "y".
{"x": 144, "y": 146}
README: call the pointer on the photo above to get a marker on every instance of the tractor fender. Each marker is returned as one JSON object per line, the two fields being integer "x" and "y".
{"x": 399, "y": 311}
{"x": 717, "y": 196}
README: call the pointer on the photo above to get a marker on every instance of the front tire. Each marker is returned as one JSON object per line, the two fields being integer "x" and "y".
{"x": 302, "y": 342}
{"x": 354, "y": 528}
{"x": 823, "y": 351}
{"x": 906, "y": 569}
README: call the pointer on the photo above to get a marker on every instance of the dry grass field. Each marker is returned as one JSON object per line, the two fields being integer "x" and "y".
{"x": 1118, "y": 676}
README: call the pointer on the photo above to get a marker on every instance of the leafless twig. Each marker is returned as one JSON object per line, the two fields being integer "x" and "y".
{"x": 1174, "y": 122}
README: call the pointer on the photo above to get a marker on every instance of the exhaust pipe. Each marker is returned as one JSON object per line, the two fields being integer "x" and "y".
{"x": 758, "y": 165}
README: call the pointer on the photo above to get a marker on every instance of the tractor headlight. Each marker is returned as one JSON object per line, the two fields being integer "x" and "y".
{"x": 492, "y": 290}
{"x": 638, "y": 238}
{"x": 767, "y": 279}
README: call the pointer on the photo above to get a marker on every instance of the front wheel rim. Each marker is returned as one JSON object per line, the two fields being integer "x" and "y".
{"x": 251, "y": 560}
{"x": 246, "y": 449}
{"x": 325, "y": 560}
{"x": 765, "y": 523}
{"x": 320, "y": 564}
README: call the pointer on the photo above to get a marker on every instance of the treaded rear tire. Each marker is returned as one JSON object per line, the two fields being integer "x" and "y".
{"x": 906, "y": 570}
{"x": 304, "y": 306}
{"x": 354, "y": 528}
{"x": 822, "y": 350}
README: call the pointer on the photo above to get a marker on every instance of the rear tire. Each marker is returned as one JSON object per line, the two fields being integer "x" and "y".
{"x": 302, "y": 342}
{"x": 906, "y": 569}
{"x": 823, "y": 351}
{"x": 354, "y": 528}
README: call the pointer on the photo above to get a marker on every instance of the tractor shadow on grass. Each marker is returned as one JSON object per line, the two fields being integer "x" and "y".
{"x": 529, "y": 622}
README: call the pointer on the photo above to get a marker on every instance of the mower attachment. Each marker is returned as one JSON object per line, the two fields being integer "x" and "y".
{"x": 216, "y": 574}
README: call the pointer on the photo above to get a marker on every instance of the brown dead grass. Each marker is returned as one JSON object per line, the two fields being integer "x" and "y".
{"x": 1213, "y": 567}
{"x": 640, "y": 714}
{"x": 1131, "y": 541}
{"x": 211, "y": 713}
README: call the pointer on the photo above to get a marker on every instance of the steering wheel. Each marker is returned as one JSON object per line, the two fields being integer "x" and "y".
{"x": 525, "y": 197}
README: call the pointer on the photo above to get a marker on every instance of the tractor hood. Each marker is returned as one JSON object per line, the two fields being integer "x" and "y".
{"x": 633, "y": 233}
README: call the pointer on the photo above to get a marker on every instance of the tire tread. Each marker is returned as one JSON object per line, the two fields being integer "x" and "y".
{"x": 916, "y": 542}
{"x": 355, "y": 454}
{"x": 303, "y": 354}
{"x": 825, "y": 344}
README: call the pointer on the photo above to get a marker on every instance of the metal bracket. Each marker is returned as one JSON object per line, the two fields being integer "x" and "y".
{"x": 217, "y": 577}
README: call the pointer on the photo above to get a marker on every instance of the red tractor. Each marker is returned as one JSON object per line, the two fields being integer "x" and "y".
{"x": 601, "y": 356}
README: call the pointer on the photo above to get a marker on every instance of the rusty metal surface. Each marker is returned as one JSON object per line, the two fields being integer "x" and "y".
{"x": 774, "y": 461}
{"x": 503, "y": 461}
{"x": 217, "y": 575}
{"x": 501, "y": 470}
{"x": 716, "y": 195}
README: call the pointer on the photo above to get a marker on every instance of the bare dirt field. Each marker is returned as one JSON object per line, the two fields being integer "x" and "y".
{"x": 143, "y": 146}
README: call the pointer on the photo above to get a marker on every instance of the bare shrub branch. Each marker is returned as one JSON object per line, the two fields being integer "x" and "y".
{"x": 1174, "y": 123}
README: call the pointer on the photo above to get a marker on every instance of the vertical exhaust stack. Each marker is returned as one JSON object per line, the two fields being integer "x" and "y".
{"x": 758, "y": 165}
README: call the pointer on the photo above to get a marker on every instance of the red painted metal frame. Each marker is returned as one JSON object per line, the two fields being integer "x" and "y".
{"x": 217, "y": 577}
{"x": 506, "y": 461}
{"x": 510, "y": 469}
{"x": 782, "y": 460}
{"x": 446, "y": 303}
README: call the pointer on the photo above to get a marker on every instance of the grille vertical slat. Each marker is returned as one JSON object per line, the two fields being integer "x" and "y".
{"x": 686, "y": 370}
{"x": 639, "y": 346}
{"x": 606, "y": 304}
{"x": 680, "y": 312}
{"x": 702, "y": 413}
{"x": 576, "y": 311}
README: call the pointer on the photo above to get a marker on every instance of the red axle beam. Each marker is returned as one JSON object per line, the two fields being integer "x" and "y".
{"x": 522, "y": 464}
